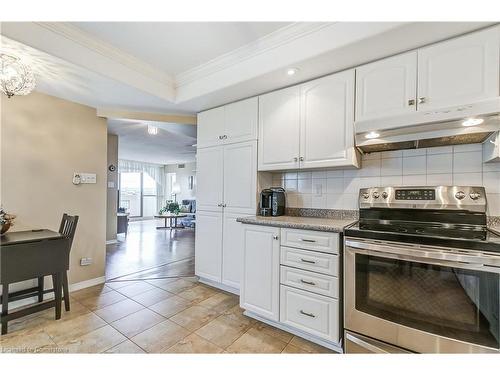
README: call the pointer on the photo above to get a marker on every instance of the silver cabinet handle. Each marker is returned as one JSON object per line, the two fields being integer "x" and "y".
{"x": 224, "y": 137}
{"x": 411, "y": 101}
{"x": 307, "y": 261}
{"x": 301, "y": 158}
{"x": 295, "y": 159}
{"x": 307, "y": 282}
{"x": 219, "y": 205}
{"x": 221, "y": 137}
{"x": 307, "y": 240}
{"x": 307, "y": 314}
{"x": 224, "y": 205}
{"x": 275, "y": 237}
{"x": 421, "y": 100}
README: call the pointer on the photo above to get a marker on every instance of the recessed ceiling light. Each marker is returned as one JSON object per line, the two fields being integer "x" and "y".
{"x": 153, "y": 130}
{"x": 292, "y": 71}
{"x": 372, "y": 135}
{"x": 472, "y": 122}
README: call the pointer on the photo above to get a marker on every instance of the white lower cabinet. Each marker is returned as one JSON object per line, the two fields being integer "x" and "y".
{"x": 297, "y": 288}
{"x": 260, "y": 277}
{"x": 208, "y": 245}
{"x": 310, "y": 313}
{"x": 232, "y": 250}
{"x": 219, "y": 248}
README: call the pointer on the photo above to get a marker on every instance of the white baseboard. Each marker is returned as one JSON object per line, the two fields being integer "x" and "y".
{"x": 87, "y": 283}
{"x": 217, "y": 285}
{"x": 111, "y": 242}
{"x": 327, "y": 344}
{"x": 72, "y": 288}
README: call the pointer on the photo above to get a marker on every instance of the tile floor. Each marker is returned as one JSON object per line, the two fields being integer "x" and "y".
{"x": 174, "y": 315}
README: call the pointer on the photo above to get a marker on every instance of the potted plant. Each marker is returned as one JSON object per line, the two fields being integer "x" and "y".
{"x": 6, "y": 221}
{"x": 172, "y": 207}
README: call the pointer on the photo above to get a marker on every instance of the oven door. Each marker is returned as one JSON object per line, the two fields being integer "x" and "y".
{"x": 423, "y": 299}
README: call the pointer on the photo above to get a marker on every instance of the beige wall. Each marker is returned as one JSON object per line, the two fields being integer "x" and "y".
{"x": 44, "y": 141}
{"x": 112, "y": 203}
{"x": 182, "y": 175}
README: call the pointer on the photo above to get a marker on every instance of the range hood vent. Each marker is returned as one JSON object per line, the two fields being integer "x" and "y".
{"x": 429, "y": 129}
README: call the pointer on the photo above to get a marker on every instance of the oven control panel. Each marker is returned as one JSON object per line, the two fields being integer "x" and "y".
{"x": 472, "y": 198}
{"x": 415, "y": 194}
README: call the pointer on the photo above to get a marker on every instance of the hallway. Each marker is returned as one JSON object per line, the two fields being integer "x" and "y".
{"x": 149, "y": 253}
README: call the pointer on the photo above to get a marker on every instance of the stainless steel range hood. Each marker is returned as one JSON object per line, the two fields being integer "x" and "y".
{"x": 430, "y": 128}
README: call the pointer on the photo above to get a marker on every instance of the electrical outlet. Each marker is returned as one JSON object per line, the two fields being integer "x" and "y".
{"x": 85, "y": 261}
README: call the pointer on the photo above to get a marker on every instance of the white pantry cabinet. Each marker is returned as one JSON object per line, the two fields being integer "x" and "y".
{"x": 208, "y": 245}
{"x": 226, "y": 190}
{"x": 260, "y": 278}
{"x": 387, "y": 87}
{"x": 459, "y": 71}
{"x": 308, "y": 125}
{"x": 235, "y": 122}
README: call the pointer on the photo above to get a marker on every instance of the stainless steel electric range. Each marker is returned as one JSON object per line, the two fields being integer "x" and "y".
{"x": 422, "y": 272}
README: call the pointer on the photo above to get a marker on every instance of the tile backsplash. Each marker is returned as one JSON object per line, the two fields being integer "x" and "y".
{"x": 338, "y": 189}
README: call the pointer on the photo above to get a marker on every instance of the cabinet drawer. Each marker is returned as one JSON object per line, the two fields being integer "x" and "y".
{"x": 312, "y": 240}
{"x": 310, "y": 281}
{"x": 310, "y": 313}
{"x": 310, "y": 260}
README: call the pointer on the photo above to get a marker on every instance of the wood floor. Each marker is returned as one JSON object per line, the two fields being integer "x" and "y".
{"x": 175, "y": 315}
{"x": 147, "y": 252}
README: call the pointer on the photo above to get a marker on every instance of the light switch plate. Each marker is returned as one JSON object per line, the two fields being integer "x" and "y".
{"x": 88, "y": 178}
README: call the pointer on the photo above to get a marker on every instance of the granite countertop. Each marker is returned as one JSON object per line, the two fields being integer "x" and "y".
{"x": 299, "y": 222}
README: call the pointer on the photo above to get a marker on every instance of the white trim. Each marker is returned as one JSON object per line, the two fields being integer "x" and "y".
{"x": 107, "y": 50}
{"x": 87, "y": 283}
{"x": 266, "y": 43}
{"x": 327, "y": 344}
{"x": 111, "y": 242}
{"x": 217, "y": 285}
{"x": 72, "y": 288}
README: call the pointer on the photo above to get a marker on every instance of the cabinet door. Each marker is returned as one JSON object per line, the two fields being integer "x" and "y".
{"x": 387, "y": 87}
{"x": 232, "y": 250}
{"x": 209, "y": 178}
{"x": 327, "y": 120}
{"x": 240, "y": 177}
{"x": 279, "y": 121}
{"x": 208, "y": 245}
{"x": 210, "y": 127}
{"x": 260, "y": 279}
{"x": 241, "y": 121}
{"x": 459, "y": 71}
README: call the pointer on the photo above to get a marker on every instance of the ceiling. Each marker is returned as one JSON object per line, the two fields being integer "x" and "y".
{"x": 183, "y": 67}
{"x": 176, "y": 47}
{"x": 173, "y": 144}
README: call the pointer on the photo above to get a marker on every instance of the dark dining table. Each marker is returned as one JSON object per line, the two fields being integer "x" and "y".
{"x": 27, "y": 255}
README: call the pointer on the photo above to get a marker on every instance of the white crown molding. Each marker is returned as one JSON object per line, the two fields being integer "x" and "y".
{"x": 107, "y": 50}
{"x": 262, "y": 45}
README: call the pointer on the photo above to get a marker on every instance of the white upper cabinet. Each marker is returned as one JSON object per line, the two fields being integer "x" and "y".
{"x": 459, "y": 71}
{"x": 387, "y": 87}
{"x": 327, "y": 117}
{"x": 235, "y": 122}
{"x": 240, "y": 177}
{"x": 241, "y": 121}
{"x": 279, "y": 129}
{"x": 209, "y": 178}
{"x": 210, "y": 127}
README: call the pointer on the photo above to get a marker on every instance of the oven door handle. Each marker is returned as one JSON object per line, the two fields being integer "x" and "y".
{"x": 436, "y": 256}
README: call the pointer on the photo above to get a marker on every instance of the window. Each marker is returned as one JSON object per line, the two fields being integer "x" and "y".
{"x": 138, "y": 194}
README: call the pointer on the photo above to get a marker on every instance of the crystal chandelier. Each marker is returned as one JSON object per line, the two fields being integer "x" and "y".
{"x": 15, "y": 77}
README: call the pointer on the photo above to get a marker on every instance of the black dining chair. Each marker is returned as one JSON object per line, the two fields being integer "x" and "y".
{"x": 67, "y": 229}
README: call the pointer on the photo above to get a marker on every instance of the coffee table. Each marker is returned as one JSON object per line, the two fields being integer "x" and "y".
{"x": 173, "y": 220}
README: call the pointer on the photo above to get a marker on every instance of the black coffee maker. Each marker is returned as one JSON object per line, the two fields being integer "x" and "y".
{"x": 272, "y": 202}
